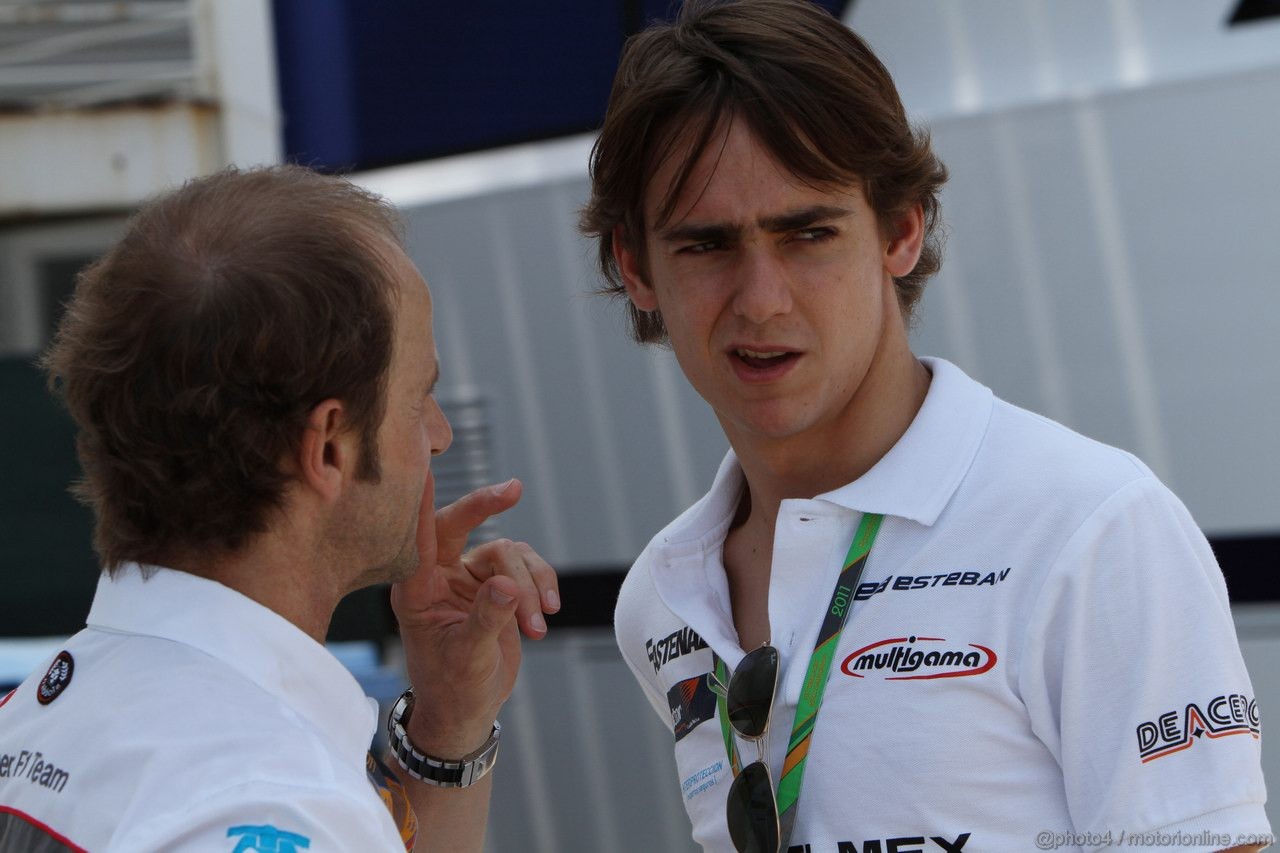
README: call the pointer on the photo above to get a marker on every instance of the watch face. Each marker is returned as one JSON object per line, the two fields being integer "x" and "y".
{"x": 399, "y": 714}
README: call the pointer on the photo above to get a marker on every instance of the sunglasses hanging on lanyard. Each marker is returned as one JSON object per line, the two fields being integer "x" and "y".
{"x": 759, "y": 820}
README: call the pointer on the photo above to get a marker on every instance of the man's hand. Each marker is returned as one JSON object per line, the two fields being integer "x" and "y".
{"x": 462, "y": 646}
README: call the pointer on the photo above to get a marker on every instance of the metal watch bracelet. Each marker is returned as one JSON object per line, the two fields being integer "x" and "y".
{"x": 460, "y": 773}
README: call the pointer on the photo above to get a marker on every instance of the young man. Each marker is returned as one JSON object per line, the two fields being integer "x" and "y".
{"x": 251, "y": 370}
{"x": 989, "y": 633}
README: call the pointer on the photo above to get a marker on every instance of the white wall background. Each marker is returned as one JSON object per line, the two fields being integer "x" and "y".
{"x": 1111, "y": 263}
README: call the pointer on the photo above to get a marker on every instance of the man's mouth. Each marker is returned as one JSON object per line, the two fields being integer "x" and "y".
{"x": 764, "y": 359}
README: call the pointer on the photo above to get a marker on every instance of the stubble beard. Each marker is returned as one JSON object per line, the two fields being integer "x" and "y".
{"x": 405, "y": 563}
{"x": 374, "y": 529}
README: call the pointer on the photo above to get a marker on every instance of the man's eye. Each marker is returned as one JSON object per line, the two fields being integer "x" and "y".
{"x": 815, "y": 235}
{"x": 700, "y": 248}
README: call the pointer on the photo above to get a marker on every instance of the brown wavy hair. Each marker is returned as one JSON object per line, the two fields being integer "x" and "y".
{"x": 191, "y": 354}
{"x": 808, "y": 87}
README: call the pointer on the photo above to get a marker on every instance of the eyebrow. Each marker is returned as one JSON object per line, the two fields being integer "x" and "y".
{"x": 804, "y": 217}
{"x": 791, "y": 220}
{"x": 693, "y": 233}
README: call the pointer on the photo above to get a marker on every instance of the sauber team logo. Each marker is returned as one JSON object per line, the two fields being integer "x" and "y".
{"x": 918, "y": 658}
{"x": 56, "y": 679}
{"x": 1174, "y": 731}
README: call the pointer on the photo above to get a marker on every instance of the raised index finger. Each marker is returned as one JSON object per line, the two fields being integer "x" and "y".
{"x": 455, "y": 522}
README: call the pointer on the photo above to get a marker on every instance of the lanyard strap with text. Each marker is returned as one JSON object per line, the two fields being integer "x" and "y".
{"x": 815, "y": 679}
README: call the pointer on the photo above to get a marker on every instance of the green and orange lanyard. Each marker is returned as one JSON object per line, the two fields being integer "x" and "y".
{"x": 815, "y": 679}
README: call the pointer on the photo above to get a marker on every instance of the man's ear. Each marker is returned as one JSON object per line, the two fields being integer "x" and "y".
{"x": 906, "y": 240}
{"x": 638, "y": 290}
{"x": 328, "y": 453}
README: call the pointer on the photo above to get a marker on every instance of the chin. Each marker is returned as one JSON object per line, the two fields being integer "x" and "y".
{"x": 401, "y": 572}
{"x": 781, "y": 421}
{"x": 405, "y": 564}
{"x": 397, "y": 567}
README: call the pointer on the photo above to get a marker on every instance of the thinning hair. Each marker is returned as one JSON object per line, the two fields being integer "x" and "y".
{"x": 807, "y": 86}
{"x": 192, "y": 353}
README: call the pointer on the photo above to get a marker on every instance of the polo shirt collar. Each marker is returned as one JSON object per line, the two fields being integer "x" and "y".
{"x": 915, "y": 479}
{"x": 252, "y": 639}
{"x": 920, "y": 473}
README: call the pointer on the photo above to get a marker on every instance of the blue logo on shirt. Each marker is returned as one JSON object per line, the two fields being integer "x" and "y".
{"x": 267, "y": 839}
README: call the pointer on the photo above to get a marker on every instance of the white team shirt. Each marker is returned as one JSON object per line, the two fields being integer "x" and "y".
{"x": 190, "y": 718}
{"x": 1040, "y": 644}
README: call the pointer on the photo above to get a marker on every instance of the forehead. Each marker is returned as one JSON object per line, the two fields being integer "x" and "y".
{"x": 411, "y": 305}
{"x": 736, "y": 177}
{"x": 410, "y": 290}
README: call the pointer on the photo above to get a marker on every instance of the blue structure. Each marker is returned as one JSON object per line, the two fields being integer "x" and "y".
{"x": 373, "y": 84}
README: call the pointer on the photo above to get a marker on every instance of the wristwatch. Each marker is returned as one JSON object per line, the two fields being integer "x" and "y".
{"x": 461, "y": 773}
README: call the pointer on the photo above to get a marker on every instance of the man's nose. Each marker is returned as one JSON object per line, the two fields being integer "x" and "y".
{"x": 763, "y": 285}
{"x": 438, "y": 429}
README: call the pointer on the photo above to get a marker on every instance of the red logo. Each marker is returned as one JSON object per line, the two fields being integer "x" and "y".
{"x": 916, "y": 659}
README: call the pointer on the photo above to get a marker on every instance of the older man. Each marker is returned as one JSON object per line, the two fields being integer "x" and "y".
{"x": 251, "y": 370}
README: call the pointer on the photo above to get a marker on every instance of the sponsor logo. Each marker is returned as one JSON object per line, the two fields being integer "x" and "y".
{"x": 1174, "y": 731}
{"x": 267, "y": 839}
{"x": 902, "y": 583}
{"x": 692, "y": 702}
{"x": 56, "y": 679}
{"x": 702, "y": 781}
{"x": 672, "y": 646}
{"x": 904, "y": 844}
{"x": 31, "y": 765}
{"x": 917, "y": 658}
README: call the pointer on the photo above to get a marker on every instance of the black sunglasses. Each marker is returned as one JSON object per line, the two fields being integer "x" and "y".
{"x": 753, "y": 807}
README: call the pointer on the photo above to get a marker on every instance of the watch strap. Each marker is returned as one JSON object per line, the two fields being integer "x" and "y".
{"x": 459, "y": 773}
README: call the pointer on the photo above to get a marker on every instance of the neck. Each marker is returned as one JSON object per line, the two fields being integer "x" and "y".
{"x": 827, "y": 456}
{"x": 280, "y": 577}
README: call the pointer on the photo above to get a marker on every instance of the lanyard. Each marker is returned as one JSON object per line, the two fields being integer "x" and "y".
{"x": 815, "y": 679}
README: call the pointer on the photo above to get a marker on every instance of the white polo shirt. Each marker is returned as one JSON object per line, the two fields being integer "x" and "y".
{"x": 190, "y": 718}
{"x": 1040, "y": 651}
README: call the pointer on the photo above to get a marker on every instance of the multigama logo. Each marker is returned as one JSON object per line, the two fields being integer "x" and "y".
{"x": 917, "y": 658}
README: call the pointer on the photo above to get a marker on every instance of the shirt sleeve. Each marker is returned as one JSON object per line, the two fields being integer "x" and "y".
{"x": 1133, "y": 678}
{"x": 268, "y": 817}
{"x": 638, "y": 601}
